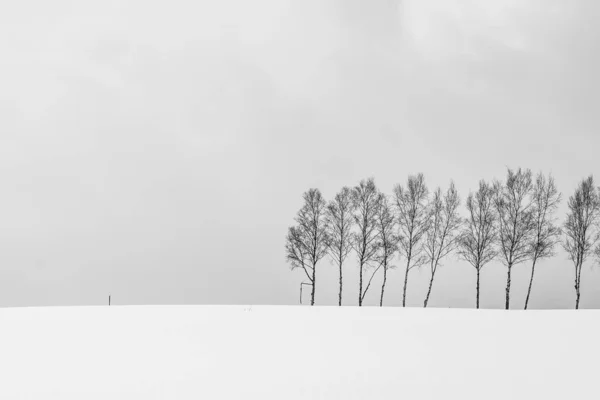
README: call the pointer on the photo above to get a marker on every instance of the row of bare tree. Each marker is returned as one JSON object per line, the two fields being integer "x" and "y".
{"x": 511, "y": 220}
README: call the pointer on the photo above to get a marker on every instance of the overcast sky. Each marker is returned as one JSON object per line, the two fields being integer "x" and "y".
{"x": 157, "y": 151}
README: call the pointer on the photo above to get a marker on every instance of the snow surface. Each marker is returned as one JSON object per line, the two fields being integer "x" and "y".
{"x": 296, "y": 352}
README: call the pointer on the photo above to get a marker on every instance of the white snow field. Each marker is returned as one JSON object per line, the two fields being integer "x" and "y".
{"x": 297, "y": 352}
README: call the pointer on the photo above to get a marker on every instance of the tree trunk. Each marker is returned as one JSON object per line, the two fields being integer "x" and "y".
{"x": 383, "y": 286}
{"x": 530, "y": 282}
{"x": 340, "y": 299}
{"x": 360, "y": 285}
{"x": 312, "y": 294}
{"x": 577, "y": 283}
{"x": 429, "y": 291}
{"x": 507, "y": 305}
{"x": 405, "y": 284}
{"x": 477, "y": 288}
{"x": 576, "y": 293}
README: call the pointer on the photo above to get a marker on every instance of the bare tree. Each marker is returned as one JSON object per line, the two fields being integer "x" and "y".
{"x": 581, "y": 237}
{"x": 477, "y": 241}
{"x": 387, "y": 239}
{"x": 442, "y": 236}
{"x": 515, "y": 220}
{"x": 413, "y": 220}
{"x": 364, "y": 241}
{"x": 339, "y": 215}
{"x": 547, "y": 234}
{"x": 297, "y": 254}
{"x": 307, "y": 243}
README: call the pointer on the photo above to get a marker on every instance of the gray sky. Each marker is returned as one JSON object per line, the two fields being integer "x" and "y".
{"x": 158, "y": 150}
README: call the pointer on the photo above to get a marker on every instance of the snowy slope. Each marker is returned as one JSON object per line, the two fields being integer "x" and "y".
{"x": 294, "y": 352}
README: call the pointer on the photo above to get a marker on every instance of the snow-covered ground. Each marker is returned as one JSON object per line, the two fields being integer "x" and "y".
{"x": 295, "y": 352}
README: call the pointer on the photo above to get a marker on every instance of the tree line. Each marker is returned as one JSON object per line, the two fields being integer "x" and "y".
{"x": 513, "y": 221}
